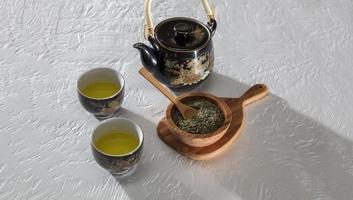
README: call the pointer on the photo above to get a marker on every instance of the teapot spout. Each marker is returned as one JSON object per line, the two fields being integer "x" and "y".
{"x": 148, "y": 56}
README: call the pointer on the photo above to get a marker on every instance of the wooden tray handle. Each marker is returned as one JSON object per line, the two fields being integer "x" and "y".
{"x": 253, "y": 94}
{"x": 148, "y": 26}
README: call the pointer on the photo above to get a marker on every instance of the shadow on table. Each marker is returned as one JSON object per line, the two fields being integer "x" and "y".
{"x": 282, "y": 154}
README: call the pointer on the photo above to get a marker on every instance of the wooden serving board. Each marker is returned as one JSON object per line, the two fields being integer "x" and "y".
{"x": 205, "y": 153}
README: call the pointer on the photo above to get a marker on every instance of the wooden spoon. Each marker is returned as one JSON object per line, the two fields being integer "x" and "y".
{"x": 186, "y": 111}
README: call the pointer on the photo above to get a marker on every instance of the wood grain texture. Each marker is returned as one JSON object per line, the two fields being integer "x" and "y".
{"x": 236, "y": 106}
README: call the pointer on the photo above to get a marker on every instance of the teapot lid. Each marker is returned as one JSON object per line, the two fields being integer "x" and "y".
{"x": 182, "y": 34}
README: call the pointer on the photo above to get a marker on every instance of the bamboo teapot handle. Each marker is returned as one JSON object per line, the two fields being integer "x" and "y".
{"x": 148, "y": 25}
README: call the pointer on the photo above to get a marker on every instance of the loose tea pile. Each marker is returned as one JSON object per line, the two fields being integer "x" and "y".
{"x": 209, "y": 118}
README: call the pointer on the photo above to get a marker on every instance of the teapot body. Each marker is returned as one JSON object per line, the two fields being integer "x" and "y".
{"x": 180, "y": 69}
{"x": 181, "y": 51}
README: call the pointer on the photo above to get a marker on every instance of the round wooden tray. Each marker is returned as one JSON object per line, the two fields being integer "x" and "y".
{"x": 236, "y": 105}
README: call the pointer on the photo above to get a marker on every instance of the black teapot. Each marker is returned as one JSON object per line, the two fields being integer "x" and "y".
{"x": 181, "y": 49}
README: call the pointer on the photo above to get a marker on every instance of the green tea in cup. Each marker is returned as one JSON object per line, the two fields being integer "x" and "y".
{"x": 101, "y": 89}
{"x": 117, "y": 142}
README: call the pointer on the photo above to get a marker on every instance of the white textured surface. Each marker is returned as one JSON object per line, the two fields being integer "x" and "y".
{"x": 297, "y": 143}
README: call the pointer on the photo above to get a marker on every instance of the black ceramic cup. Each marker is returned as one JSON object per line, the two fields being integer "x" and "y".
{"x": 122, "y": 165}
{"x": 101, "y": 108}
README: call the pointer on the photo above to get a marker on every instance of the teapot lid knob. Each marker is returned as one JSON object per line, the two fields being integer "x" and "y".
{"x": 182, "y": 28}
{"x": 182, "y": 33}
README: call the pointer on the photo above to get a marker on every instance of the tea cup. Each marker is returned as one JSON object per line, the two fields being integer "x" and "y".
{"x": 119, "y": 165}
{"x": 106, "y": 107}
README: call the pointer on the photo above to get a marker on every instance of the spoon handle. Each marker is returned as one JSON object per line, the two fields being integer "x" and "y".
{"x": 148, "y": 76}
{"x": 253, "y": 94}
